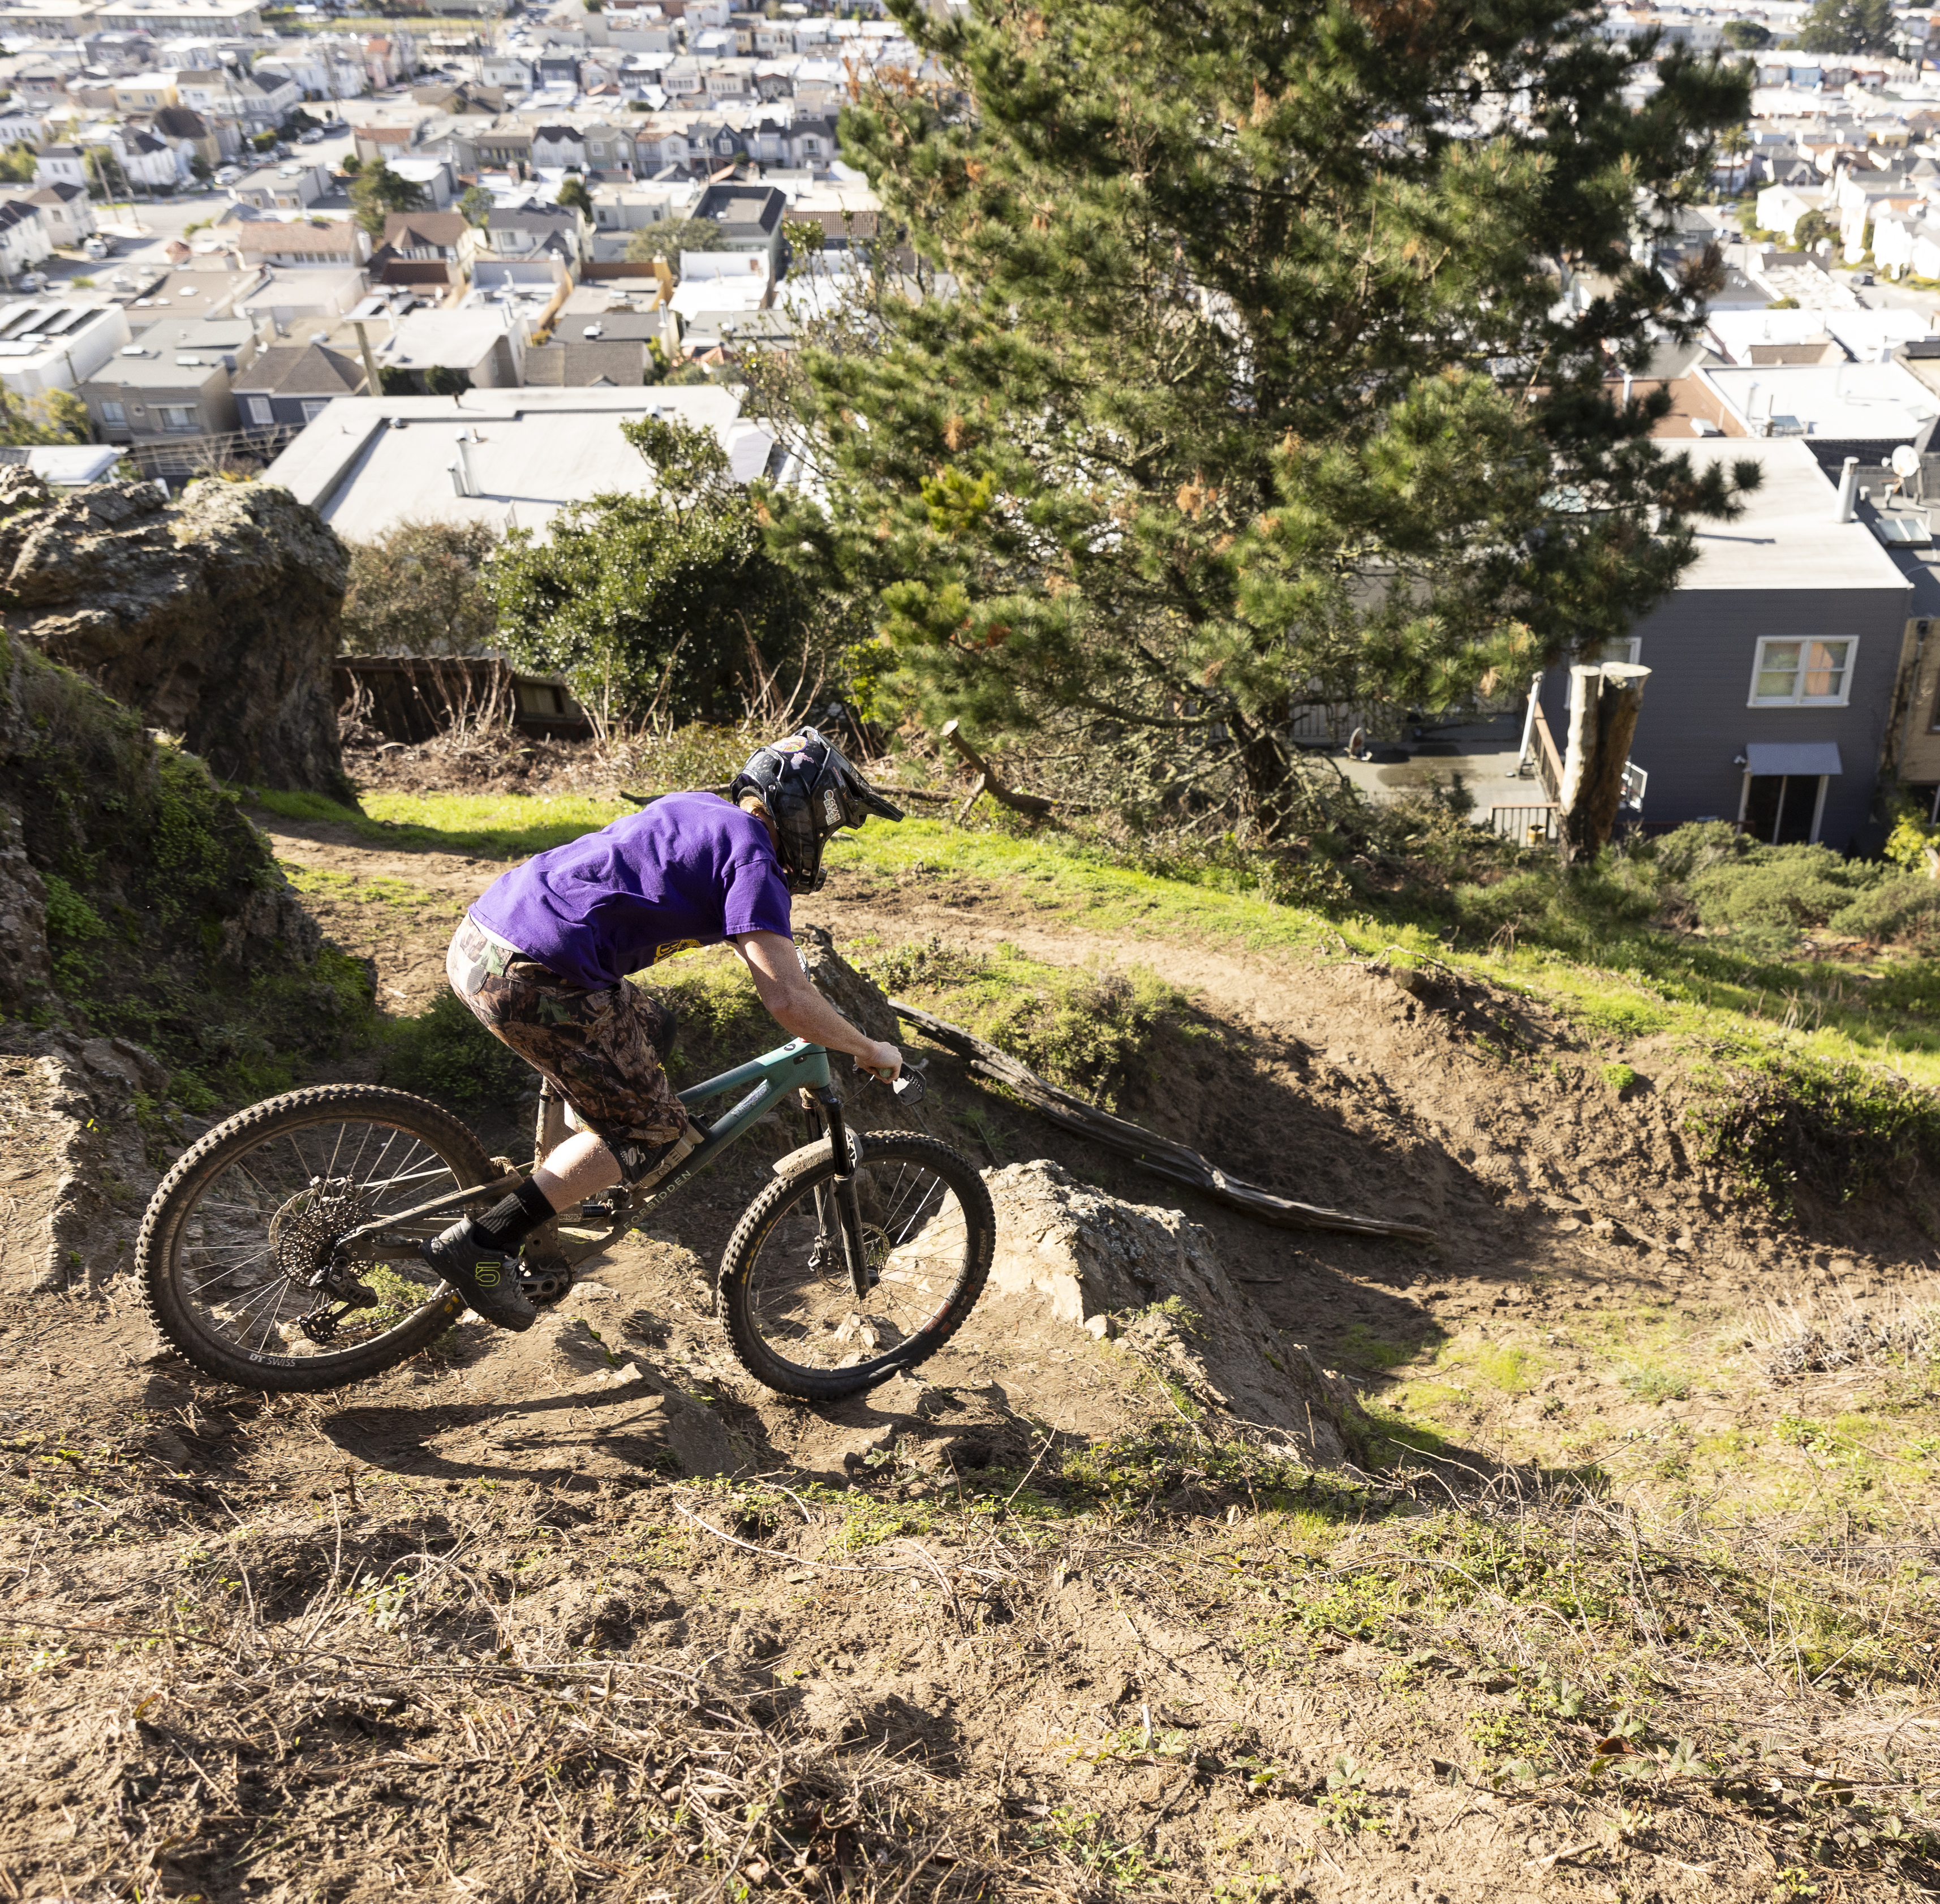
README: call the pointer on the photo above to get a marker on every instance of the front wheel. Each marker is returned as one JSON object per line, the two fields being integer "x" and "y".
{"x": 929, "y": 1233}
{"x": 238, "y": 1257}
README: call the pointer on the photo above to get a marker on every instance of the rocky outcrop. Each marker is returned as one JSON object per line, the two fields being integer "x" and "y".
{"x": 1146, "y": 1278}
{"x": 131, "y": 885}
{"x": 25, "y": 972}
{"x": 216, "y": 617}
{"x": 76, "y": 1172}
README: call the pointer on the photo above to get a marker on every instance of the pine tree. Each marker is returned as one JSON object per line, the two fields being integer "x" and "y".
{"x": 1238, "y": 368}
{"x": 377, "y": 190}
{"x": 1850, "y": 26}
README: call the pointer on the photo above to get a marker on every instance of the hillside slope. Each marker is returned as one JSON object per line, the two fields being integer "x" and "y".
{"x": 1629, "y": 1603}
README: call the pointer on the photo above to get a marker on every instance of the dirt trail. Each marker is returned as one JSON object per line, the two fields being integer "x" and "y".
{"x": 1560, "y": 1204}
{"x": 1130, "y": 1716}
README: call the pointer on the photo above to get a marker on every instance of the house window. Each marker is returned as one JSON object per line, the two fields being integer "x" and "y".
{"x": 113, "y": 413}
{"x": 1803, "y": 671}
{"x": 177, "y": 415}
{"x": 260, "y": 411}
{"x": 314, "y": 407}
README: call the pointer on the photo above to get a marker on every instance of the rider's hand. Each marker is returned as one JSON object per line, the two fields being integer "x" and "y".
{"x": 885, "y": 1061}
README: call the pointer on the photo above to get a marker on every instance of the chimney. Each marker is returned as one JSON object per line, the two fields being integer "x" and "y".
{"x": 1849, "y": 483}
{"x": 464, "y": 479}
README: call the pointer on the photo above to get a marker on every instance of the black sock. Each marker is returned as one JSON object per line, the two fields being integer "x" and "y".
{"x": 506, "y": 1225}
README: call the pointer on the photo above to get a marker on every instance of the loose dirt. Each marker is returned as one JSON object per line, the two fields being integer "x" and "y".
{"x": 351, "y": 1645}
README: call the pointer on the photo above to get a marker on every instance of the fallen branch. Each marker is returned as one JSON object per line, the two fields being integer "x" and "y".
{"x": 1178, "y": 1163}
{"x": 1033, "y": 806}
{"x": 881, "y": 786}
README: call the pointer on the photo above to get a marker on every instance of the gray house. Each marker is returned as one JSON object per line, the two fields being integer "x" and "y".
{"x": 291, "y": 384}
{"x": 1772, "y": 665}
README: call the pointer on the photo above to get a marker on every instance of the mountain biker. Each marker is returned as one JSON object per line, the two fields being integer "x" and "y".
{"x": 542, "y": 956}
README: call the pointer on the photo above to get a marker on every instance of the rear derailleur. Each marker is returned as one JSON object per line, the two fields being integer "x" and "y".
{"x": 336, "y": 1277}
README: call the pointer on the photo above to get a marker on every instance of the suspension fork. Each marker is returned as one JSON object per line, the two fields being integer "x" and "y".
{"x": 838, "y": 1209}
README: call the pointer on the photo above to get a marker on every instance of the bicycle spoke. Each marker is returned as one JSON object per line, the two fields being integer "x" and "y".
{"x": 799, "y": 1295}
{"x": 265, "y": 1228}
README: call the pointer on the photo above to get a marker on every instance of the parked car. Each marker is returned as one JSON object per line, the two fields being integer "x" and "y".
{"x": 311, "y": 137}
{"x": 97, "y": 248}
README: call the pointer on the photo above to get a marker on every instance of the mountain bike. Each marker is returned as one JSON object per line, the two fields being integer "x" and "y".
{"x": 281, "y": 1251}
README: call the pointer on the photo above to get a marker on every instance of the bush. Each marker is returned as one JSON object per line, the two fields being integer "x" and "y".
{"x": 444, "y": 1053}
{"x": 1793, "y": 886}
{"x": 1895, "y": 909}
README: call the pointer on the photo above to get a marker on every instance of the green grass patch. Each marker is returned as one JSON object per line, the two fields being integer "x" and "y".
{"x": 379, "y": 889}
{"x": 1094, "y": 1031}
{"x": 1789, "y": 1120}
{"x": 1360, "y": 1345}
{"x": 491, "y": 826}
{"x": 1652, "y": 1381}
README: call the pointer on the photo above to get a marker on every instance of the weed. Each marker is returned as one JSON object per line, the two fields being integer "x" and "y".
{"x": 1346, "y": 1804}
{"x": 1652, "y": 1381}
{"x": 1619, "y": 1077}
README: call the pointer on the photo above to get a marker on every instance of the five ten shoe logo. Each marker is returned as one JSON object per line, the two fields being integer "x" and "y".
{"x": 487, "y": 1274}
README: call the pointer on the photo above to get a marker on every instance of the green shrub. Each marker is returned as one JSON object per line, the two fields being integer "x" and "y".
{"x": 1783, "y": 1121}
{"x": 444, "y": 1053}
{"x": 1791, "y": 887}
{"x": 1895, "y": 910}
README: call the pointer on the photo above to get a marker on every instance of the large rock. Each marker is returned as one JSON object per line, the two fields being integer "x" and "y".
{"x": 1149, "y": 1279}
{"x": 217, "y": 617}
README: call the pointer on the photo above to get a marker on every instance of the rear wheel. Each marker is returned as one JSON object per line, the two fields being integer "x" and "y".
{"x": 929, "y": 1233}
{"x": 238, "y": 1255}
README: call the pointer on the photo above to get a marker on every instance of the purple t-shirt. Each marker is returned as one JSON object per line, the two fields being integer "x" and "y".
{"x": 689, "y": 870}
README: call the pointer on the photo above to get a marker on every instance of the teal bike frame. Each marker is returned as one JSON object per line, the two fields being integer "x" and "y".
{"x": 797, "y": 1066}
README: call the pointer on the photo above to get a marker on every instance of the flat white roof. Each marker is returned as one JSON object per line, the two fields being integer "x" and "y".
{"x": 1864, "y": 333}
{"x": 1871, "y": 402}
{"x": 538, "y": 450}
{"x": 1787, "y": 537}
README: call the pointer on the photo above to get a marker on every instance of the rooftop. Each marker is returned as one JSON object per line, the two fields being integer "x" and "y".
{"x": 368, "y": 463}
{"x": 1881, "y": 402}
{"x": 306, "y": 370}
{"x": 743, "y": 211}
{"x": 1787, "y": 536}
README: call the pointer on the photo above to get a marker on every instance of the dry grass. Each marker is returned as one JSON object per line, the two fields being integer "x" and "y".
{"x": 230, "y": 1684}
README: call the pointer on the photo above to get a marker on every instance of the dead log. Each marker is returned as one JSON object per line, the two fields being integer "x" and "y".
{"x": 1176, "y": 1162}
{"x": 1602, "y": 725}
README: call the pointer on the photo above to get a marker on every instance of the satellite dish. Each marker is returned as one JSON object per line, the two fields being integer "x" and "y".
{"x": 1906, "y": 460}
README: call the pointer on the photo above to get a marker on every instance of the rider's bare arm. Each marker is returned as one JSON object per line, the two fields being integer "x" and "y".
{"x": 798, "y": 1008}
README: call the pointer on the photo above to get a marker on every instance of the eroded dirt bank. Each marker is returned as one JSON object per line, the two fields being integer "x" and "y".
{"x": 587, "y": 1613}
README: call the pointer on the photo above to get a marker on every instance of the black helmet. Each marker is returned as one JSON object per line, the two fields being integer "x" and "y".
{"x": 810, "y": 791}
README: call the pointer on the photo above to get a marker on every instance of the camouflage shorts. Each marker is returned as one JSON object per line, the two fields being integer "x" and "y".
{"x": 603, "y": 1052}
